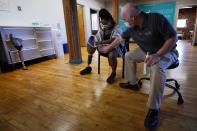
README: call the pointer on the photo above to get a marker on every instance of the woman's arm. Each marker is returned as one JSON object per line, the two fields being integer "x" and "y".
{"x": 109, "y": 41}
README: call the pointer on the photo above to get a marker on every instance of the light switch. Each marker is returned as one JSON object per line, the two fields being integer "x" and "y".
{"x": 19, "y": 8}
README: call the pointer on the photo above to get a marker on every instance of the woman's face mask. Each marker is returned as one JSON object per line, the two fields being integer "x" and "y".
{"x": 104, "y": 26}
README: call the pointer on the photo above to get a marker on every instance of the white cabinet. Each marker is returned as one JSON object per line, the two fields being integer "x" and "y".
{"x": 37, "y": 42}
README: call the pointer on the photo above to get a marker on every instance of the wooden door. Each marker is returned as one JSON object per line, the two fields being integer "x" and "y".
{"x": 81, "y": 25}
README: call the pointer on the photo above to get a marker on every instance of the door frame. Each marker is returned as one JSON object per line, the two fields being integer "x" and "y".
{"x": 84, "y": 25}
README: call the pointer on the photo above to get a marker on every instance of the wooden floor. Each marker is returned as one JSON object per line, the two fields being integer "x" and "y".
{"x": 53, "y": 96}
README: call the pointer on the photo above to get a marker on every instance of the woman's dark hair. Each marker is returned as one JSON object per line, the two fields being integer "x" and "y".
{"x": 104, "y": 14}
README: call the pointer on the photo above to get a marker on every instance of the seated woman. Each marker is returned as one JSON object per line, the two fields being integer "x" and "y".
{"x": 108, "y": 31}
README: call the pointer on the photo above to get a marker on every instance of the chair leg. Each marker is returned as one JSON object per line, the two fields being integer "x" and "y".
{"x": 98, "y": 63}
{"x": 123, "y": 65}
{"x": 180, "y": 98}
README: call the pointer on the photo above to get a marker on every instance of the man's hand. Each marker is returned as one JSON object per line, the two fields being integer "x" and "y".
{"x": 152, "y": 59}
{"x": 104, "y": 49}
{"x": 116, "y": 42}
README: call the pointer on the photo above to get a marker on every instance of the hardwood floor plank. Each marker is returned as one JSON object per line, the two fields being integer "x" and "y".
{"x": 53, "y": 96}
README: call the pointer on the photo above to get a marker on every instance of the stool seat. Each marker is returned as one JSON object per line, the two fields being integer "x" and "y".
{"x": 174, "y": 65}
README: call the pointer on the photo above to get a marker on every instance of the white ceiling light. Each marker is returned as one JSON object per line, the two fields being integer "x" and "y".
{"x": 186, "y": 7}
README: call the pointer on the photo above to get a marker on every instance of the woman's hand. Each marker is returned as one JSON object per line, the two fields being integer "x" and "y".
{"x": 107, "y": 32}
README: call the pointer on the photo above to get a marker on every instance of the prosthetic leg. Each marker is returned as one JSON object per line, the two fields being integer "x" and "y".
{"x": 88, "y": 69}
{"x": 17, "y": 42}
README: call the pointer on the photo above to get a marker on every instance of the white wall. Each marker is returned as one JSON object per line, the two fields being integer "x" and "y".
{"x": 87, "y": 5}
{"x": 47, "y": 12}
{"x": 108, "y": 4}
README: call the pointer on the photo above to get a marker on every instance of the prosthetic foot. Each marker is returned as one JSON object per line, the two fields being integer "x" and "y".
{"x": 85, "y": 71}
{"x": 88, "y": 69}
{"x": 22, "y": 60}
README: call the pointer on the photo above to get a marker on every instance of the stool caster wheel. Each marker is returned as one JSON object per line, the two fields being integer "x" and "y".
{"x": 180, "y": 100}
{"x": 139, "y": 83}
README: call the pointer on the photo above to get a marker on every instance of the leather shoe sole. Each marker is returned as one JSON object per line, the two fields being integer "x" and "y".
{"x": 129, "y": 86}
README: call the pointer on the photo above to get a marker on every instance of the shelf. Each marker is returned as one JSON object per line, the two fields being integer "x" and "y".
{"x": 47, "y": 52}
{"x": 29, "y": 39}
{"x": 47, "y": 49}
{"x": 24, "y": 49}
{"x": 24, "y": 39}
{"x": 38, "y": 32}
{"x": 27, "y": 28}
{"x": 21, "y": 27}
{"x": 44, "y": 41}
{"x": 30, "y": 48}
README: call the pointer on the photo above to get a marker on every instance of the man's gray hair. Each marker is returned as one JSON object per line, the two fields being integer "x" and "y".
{"x": 130, "y": 7}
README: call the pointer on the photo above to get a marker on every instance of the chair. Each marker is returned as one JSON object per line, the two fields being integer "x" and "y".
{"x": 191, "y": 36}
{"x": 176, "y": 86}
{"x": 180, "y": 34}
{"x": 124, "y": 50}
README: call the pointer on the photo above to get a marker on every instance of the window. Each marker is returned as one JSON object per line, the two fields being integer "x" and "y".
{"x": 94, "y": 22}
{"x": 181, "y": 23}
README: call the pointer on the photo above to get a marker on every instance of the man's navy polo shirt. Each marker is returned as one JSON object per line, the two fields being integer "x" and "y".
{"x": 152, "y": 35}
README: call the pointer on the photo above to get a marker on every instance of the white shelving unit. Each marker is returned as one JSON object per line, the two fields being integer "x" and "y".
{"x": 44, "y": 40}
{"x": 37, "y": 42}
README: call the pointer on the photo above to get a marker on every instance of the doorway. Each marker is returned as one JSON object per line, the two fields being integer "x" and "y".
{"x": 81, "y": 25}
{"x": 186, "y": 23}
{"x": 94, "y": 21}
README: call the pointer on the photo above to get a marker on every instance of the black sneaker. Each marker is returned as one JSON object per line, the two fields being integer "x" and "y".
{"x": 85, "y": 71}
{"x": 129, "y": 86}
{"x": 152, "y": 118}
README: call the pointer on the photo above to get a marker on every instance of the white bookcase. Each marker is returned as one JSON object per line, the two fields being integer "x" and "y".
{"x": 37, "y": 42}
